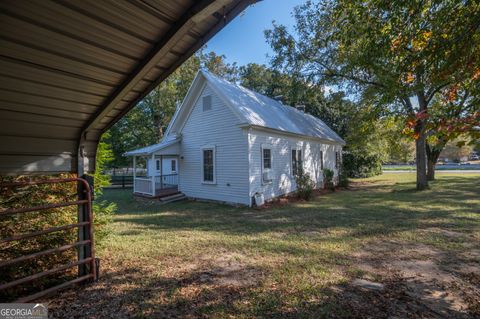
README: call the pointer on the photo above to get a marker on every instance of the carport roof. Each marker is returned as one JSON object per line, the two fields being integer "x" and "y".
{"x": 70, "y": 69}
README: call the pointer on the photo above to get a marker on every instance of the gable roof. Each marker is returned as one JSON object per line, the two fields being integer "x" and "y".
{"x": 255, "y": 109}
{"x": 148, "y": 150}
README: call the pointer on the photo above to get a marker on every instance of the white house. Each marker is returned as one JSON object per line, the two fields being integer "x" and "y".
{"x": 228, "y": 143}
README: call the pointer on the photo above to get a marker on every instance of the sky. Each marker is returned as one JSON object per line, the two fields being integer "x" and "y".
{"x": 242, "y": 40}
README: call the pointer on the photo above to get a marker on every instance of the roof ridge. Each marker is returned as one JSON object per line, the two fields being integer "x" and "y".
{"x": 305, "y": 116}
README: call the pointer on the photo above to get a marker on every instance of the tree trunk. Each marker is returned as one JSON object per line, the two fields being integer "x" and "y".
{"x": 422, "y": 182}
{"x": 433, "y": 153}
{"x": 431, "y": 169}
{"x": 420, "y": 143}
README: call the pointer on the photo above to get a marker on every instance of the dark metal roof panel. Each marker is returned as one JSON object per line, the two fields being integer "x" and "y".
{"x": 70, "y": 69}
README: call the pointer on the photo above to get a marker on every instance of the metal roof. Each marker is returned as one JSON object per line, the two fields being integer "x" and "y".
{"x": 255, "y": 109}
{"x": 259, "y": 110}
{"x": 148, "y": 150}
{"x": 70, "y": 69}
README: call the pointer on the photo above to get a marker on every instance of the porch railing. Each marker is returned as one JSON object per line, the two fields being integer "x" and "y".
{"x": 166, "y": 181}
{"x": 142, "y": 185}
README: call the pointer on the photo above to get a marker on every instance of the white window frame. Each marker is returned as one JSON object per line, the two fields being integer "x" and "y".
{"x": 263, "y": 169}
{"x": 157, "y": 165}
{"x": 172, "y": 161}
{"x": 296, "y": 149}
{"x": 213, "y": 148}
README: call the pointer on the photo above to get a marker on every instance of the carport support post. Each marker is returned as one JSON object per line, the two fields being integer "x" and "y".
{"x": 82, "y": 215}
{"x": 153, "y": 166}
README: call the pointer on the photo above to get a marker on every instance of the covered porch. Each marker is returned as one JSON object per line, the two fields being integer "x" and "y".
{"x": 160, "y": 177}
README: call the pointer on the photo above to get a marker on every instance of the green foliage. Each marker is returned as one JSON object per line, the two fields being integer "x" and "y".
{"x": 343, "y": 177}
{"x": 388, "y": 53}
{"x": 328, "y": 179}
{"x": 304, "y": 185}
{"x": 29, "y": 196}
{"x": 399, "y": 148}
{"x": 361, "y": 165}
{"x": 103, "y": 210}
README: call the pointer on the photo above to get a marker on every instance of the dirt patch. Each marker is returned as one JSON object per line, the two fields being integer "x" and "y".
{"x": 425, "y": 281}
{"x": 293, "y": 198}
{"x": 173, "y": 289}
{"x": 231, "y": 269}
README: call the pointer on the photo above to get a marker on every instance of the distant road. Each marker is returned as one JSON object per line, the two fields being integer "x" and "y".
{"x": 443, "y": 168}
{"x": 459, "y": 171}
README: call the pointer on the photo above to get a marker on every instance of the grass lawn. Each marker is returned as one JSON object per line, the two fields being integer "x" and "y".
{"x": 192, "y": 259}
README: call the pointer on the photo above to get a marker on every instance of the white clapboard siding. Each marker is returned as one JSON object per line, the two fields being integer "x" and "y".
{"x": 281, "y": 145}
{"x": 217, "y": 126}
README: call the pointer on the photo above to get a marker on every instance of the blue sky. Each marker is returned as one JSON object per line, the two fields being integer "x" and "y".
{"x": 242, "y": 40}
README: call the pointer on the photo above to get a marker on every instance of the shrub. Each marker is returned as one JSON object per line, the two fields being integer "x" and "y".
{"x": 304, "y": 185}
{"x": 328, "y": 179}
{"x": 28, "y": 196}
{"x": 102, "y": 209}
{"x": 35, "y": 195}
{"x": 358, "y": 164}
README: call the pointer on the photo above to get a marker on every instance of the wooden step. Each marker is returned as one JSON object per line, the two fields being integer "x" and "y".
{"x": 173, "y": 198}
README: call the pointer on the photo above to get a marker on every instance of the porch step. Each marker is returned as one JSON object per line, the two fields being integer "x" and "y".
{"x": 173, "y": 198}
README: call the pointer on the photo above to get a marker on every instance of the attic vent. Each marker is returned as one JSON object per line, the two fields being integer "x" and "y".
{"x": 207, "y": 102}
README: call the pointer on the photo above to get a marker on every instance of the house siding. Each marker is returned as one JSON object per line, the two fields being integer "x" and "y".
{"x": 281, "y": 145}
{"x": 219, "y": 127}
{"x": 166, "y": 166}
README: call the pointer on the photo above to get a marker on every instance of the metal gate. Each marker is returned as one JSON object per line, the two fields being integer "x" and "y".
{"x": 86, "y": 262}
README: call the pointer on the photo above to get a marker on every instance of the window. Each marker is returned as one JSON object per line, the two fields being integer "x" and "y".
{"x": 174, "y": 165}
{"x": 297, "y": 162}
{"x": 207, "y": 102}
{"x": 208, "y": 165}
{"x": 321, "y": 160}
{"x": 157, "y": 162}
{"x": 266, "y": 164}
{"x": 267, "y": 158}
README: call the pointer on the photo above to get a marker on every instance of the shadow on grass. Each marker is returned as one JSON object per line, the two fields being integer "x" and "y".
{"x": 133, "y": 293}
{"x": 378, "y": 210}
{"x": 291, "y": 231}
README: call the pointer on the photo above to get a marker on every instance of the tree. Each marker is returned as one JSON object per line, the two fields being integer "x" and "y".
{"x": 217, "y": 65}
{"x": 454, "y": 113}
{"x": 399, "y": 53}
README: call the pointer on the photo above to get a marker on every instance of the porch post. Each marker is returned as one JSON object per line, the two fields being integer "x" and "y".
{"x": 134, "y": 171}
{"x": 161, "y": 171}
{"x": 153, "y": 174}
